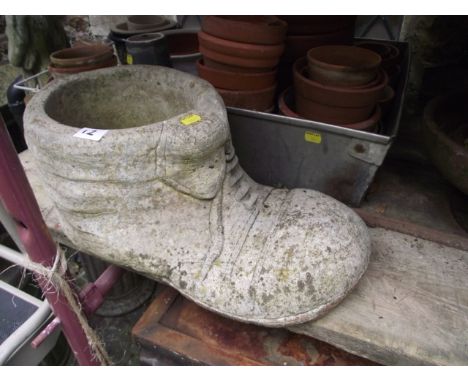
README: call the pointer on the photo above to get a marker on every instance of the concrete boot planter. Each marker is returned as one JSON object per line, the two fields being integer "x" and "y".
{"x": 162, "y": 193}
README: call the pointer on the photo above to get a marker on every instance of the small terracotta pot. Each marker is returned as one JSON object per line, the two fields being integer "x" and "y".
{"x": 58, "y": 72}
{"x": 253, "y": 63}
{"x": 234, "y": 80}
{"x": 260, "y": 100}
{"x": 230, "y": 68}
{"x": 287, "y": 107}
{"x": 81, "y": 55}
{"x": 123, "y": 29}
{"x": 386, "y": 101}
{"x": 334, "y": 95}
{"x": 297, "y": 46}
{"x": 239, "y": 49}
{"x": 342, "y": 65}
{"x": 138, "y": 23}
{"x": 309, "y": 25}
{"x": 268, "y": 30}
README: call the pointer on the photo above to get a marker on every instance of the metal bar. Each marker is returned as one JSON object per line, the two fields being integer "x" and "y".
{"x": 51, "y": 327}
{"x": 93, "y": 294}
{"x": 19, "y": 85}
{"x": 14, "y": 341}
{"x": 19, "y": 201}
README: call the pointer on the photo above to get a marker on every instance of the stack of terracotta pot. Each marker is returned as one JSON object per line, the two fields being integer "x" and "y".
{"x": 306, "y": 32}
{"x": 240, "y": 56}
{"x": 340, "y": 85}
{"x": 81, "y": 58}
{"x": 391, "y": 58}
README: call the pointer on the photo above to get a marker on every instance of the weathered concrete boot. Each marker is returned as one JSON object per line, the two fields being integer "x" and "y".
{"x": 162, "y": 193}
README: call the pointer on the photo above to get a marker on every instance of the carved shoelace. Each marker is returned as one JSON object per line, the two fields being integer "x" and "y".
{"x": 237, "y": 180}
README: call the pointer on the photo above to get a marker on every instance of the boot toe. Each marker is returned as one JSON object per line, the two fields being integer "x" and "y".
{"x": 316, "y": 253}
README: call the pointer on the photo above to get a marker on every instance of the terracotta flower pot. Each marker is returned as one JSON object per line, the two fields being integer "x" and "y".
{"x": 314, "y": 24}
{"x": 330, "y": 113}
{"x": 123, "y": 29}
{"x": 240, "y": 49}
{"x": 333, "y": 95}
{"x": 138, "y": 23}
{"x": 230, "y": 68}
{"x": 58, "y": 72}
{"x": 261, "y": 100}
{"x": 297, "y": 46}
{"x": 268, "y": 30}
{"x": 252, "y": 63}
{"x": 234, "y": 80}
{"x": 287, "y": 107}
{"x": 342, "y": 65}
{"x": 81, "y": 55}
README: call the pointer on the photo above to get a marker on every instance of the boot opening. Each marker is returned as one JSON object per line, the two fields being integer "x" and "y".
{"x": 116, "y": 100}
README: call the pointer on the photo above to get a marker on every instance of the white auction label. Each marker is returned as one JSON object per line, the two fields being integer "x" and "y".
{"x": 93, "y": 134}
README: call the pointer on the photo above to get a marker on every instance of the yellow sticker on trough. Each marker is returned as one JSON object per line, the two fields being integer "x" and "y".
{"x": 313, "y": 137}
{"x": 129, "y": 59}
{"x": 189, "y": 119}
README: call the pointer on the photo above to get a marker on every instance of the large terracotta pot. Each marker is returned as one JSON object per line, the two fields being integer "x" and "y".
{"x": 144, "y": 22}
{"x": 287, "y": 107}
{"x": 342, "y": 65}
{"x": 81, "y": 56}
{"x": 58, "y": 72}
{"x": 231, "y": 80}
{"x": 239, "y": 49}
{"x": 333, "y": 95}
{"x": 258, "y": 64}
{"x": 232, "y": 68}
{"x": 261, "y": 100}
{"x": 268, "y": 30}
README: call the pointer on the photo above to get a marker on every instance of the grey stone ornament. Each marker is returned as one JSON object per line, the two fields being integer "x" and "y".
{"x": 162, "y": 193}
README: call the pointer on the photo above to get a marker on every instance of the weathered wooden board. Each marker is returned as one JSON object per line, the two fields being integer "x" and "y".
{"x": 411, "y": 307}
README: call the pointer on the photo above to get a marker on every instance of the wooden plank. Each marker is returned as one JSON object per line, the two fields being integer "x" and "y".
{"x": 410, "y": 307}
{"x": 175, "y": 330}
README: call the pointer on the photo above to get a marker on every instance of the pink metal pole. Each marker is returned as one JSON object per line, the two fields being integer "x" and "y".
{"x": 17, "y": 196}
